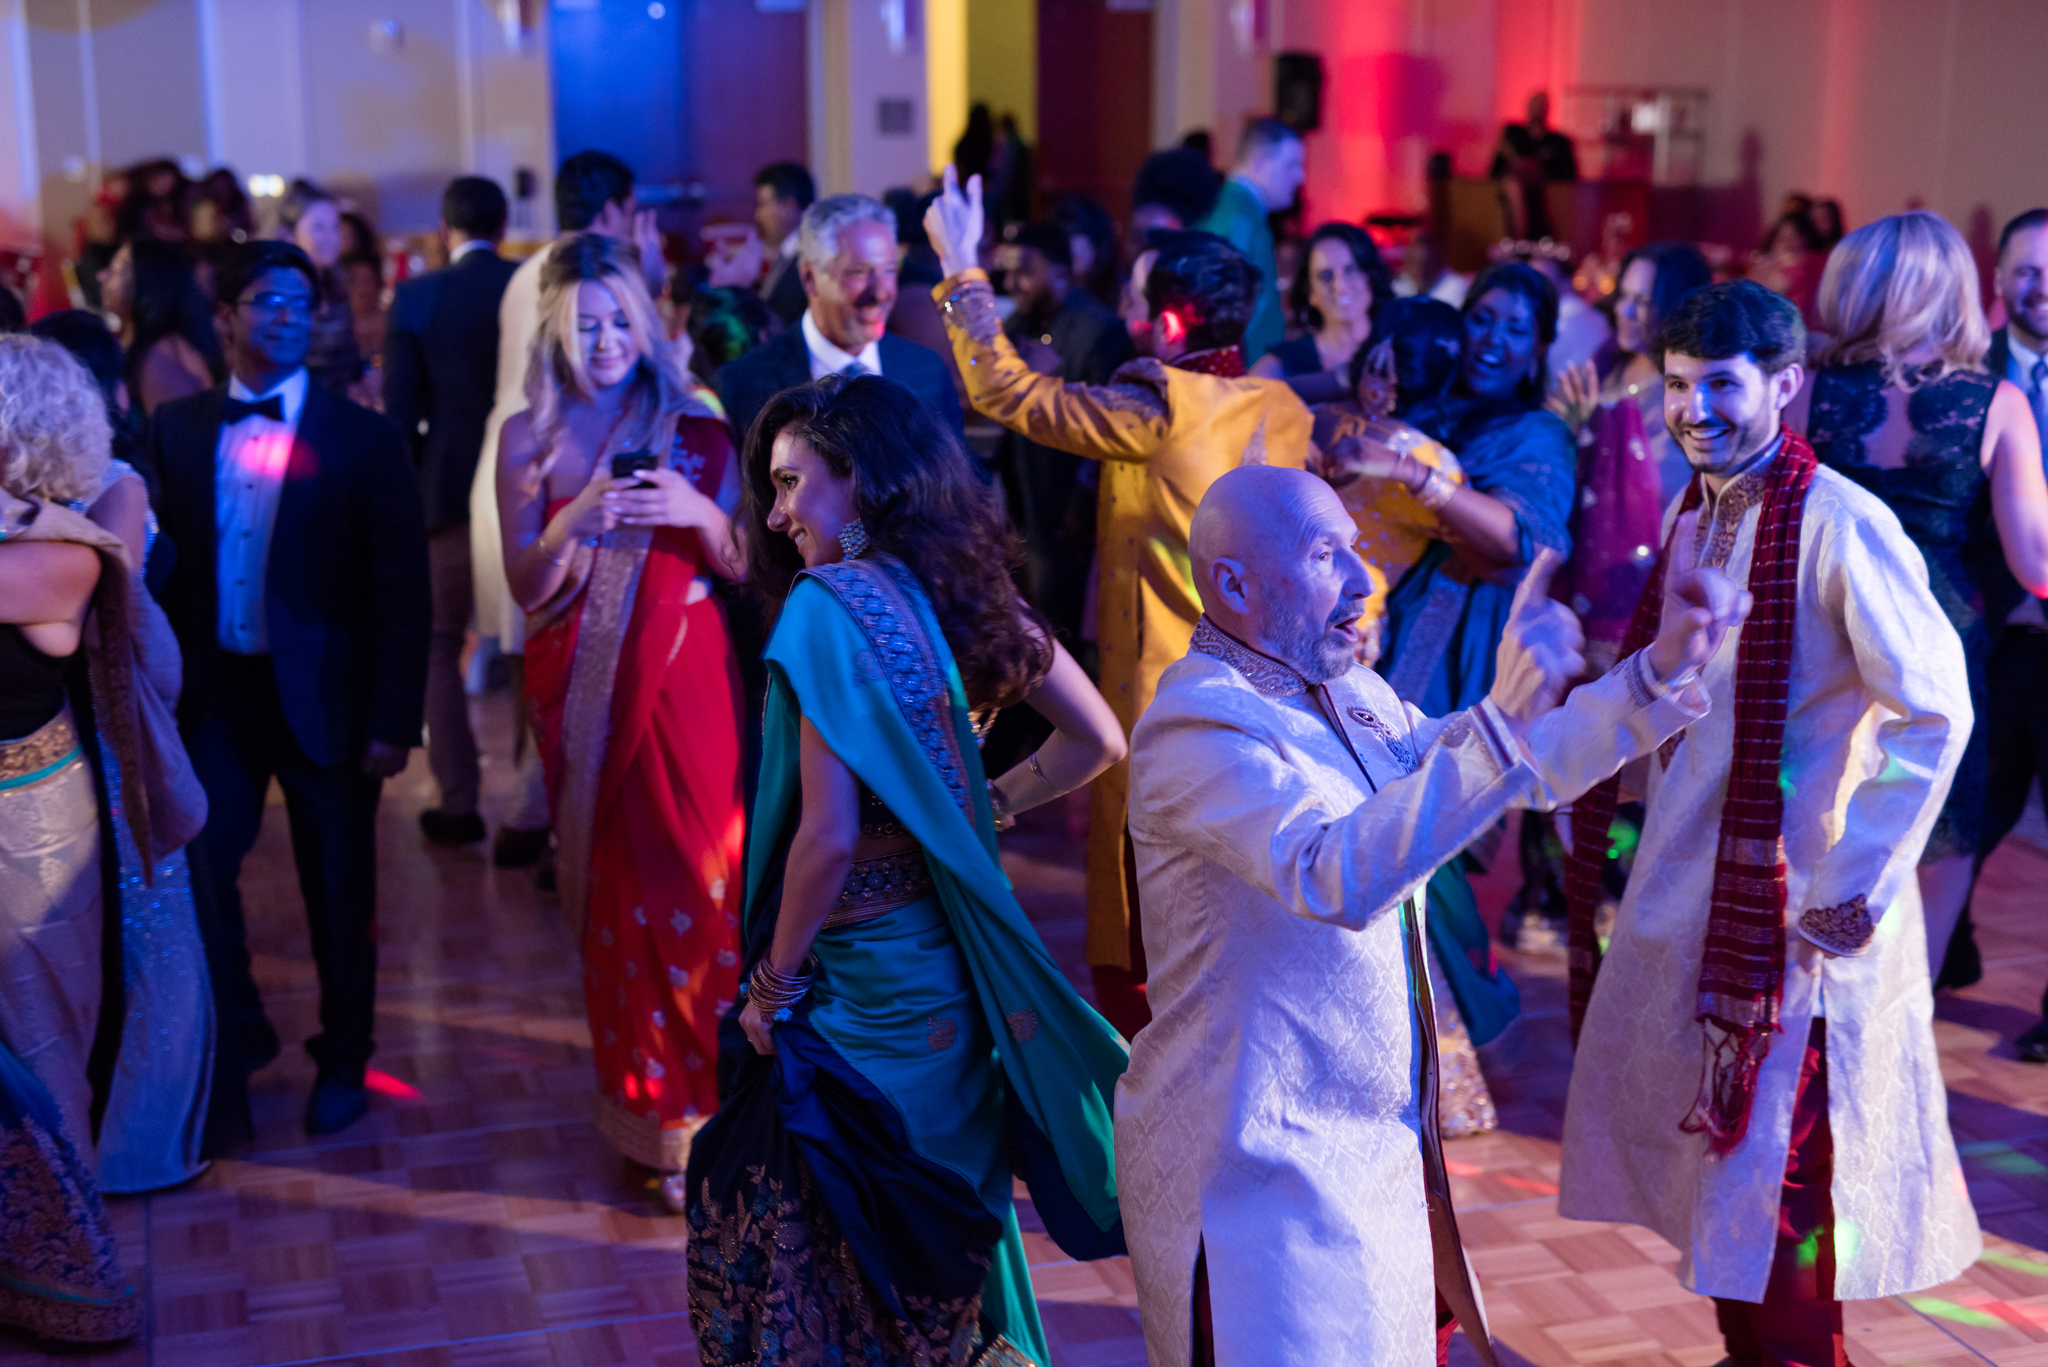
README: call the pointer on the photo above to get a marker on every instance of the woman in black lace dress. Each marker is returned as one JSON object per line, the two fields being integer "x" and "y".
{"x": 1901, "y": 403}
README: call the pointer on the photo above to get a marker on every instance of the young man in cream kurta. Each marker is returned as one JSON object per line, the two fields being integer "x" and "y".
{"x": 1278, "y": 1122}
{"x": 1876, "y": 715}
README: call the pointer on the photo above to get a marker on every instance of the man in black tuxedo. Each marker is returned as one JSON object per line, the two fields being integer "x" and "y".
{"x": 300, "y": 601}
{"x": 846, "y": 256}
{"x": 782, "y": 191}
{"x": 440, "y": 379}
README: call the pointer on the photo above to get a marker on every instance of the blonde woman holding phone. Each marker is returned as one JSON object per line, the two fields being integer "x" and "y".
{"x": 608, "y": 498}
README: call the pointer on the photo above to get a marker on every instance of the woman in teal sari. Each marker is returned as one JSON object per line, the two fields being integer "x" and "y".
{"x": 905, "y": 1045}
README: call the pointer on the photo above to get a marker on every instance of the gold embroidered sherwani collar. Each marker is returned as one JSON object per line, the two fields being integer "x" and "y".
{"x": 1270, "y": 677}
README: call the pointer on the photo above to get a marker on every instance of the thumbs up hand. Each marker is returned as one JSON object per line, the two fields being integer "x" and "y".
{"x": 1539, "y": 654}
{"x": 1701, "y": 606}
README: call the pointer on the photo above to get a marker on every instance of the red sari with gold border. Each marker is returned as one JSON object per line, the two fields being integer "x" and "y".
{"x": 635, "y": 694}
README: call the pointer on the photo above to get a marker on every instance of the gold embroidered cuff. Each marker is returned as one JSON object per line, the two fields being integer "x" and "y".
{"x": 968, "y": 302}
{"x": 1844, "y": 928}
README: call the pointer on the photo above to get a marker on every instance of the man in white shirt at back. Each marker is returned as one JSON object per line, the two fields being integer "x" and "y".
{"x": 593, "y": 193}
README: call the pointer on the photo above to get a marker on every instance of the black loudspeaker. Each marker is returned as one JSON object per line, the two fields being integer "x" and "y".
{"x": 1298, "y": 90}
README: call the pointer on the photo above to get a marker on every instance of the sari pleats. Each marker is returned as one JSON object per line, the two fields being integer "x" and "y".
{"x": 661, "y": 889}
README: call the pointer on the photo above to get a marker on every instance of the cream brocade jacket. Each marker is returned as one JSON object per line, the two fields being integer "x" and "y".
{"x": 1279, "y": 1109}
{"x": 1877, "y": 714}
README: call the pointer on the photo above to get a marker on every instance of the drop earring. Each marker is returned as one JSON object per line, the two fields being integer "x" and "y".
{"x": 853, "y": 540}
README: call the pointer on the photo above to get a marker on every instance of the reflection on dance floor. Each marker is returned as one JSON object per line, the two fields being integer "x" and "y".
{"x": 476, "y": 1217}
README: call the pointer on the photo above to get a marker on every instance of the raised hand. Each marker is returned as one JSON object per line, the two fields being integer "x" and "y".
{"x": 1378, "y": 391}
{"x": 1701, "y": 606}
{"x": 954, "y": 223}
{"x": 653, "y": 264}
{"x": 1539, "y": 656}
{"x": 1578, "y": 394}
{"x": 734, "y": 259}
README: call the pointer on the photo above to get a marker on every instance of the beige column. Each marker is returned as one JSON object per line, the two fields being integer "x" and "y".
{"x": 869, "y": 95}
{"x": 1212, "y": 67}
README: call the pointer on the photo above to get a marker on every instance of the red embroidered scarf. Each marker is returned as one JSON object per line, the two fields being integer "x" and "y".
{"x": 1226, "y": 362}
{"x": 1742, "y": 972}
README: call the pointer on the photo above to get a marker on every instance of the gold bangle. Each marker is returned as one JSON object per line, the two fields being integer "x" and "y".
{"x": 999, "y": 808}
{"x": 1436, "y": 490}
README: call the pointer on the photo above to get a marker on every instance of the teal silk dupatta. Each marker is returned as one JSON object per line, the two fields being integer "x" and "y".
{"x": 929, "y": 1227}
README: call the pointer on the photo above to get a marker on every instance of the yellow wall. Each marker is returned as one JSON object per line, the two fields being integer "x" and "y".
{"x": 945, "y": 76}
{"x": 1002, "y": 61}
{"x": 979, "y": 52}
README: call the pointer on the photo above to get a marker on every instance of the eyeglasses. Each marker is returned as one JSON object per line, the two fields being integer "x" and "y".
{"x": 298, "y": 305}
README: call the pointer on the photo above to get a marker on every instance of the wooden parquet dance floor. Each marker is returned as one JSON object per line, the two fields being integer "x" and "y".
{"x": 475, "y": 1218}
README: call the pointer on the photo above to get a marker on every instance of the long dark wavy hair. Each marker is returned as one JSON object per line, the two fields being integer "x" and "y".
{"x": 166, "y": 301}
{"x": 921, "y": 500}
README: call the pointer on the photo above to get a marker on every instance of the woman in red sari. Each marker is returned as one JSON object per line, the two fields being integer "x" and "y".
{"x": 633, "y": 685}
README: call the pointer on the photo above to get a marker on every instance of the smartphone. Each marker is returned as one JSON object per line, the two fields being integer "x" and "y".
{"x": 627, "y": 465}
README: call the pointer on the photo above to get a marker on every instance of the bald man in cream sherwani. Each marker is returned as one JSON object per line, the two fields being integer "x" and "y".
{"x": 1278, "y": 1165}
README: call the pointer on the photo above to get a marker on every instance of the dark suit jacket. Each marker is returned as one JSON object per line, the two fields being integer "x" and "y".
{"x": 345, "y": 592}
{"x": 441, "y": 370}
{"x": 746, "y": 383}
{"x": 784, "y": 291}
{"x": 1050, "y": 492}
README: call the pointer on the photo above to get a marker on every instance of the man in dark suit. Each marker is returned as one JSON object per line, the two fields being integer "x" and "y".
{"x": 2016, "y": 676}
{"x": 440, "y": 378}
{"x": 1060, "y": 329}
{"x": 782, "y": 191}
{"x": 300, "y": 601}
{"x": 846, "y": 257}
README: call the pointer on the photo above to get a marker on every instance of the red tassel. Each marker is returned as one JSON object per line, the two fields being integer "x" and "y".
{"x": 1728, "y": 1085}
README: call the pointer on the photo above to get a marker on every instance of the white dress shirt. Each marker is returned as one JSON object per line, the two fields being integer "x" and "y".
{"x": 248, "y": 477}
{"x": 474, "y": 244}
{"x": 828, "y": 359}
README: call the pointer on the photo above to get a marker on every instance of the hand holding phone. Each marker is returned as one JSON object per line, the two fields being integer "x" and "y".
{"x": 626, "y": 468}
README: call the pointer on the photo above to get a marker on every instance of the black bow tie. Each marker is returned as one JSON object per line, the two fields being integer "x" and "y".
{"x": 234, "y": 410}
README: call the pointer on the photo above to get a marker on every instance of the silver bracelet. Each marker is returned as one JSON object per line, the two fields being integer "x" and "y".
{"x": 1032, "y": 760}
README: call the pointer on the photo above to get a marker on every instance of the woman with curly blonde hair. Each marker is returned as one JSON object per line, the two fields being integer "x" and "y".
{"x": 608, "y": 500}
{"x": 63, "y": 588}
{"x": 1901, "y": 403}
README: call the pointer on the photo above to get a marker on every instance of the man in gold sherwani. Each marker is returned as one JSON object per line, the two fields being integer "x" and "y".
{"x": 1164, "y": 428}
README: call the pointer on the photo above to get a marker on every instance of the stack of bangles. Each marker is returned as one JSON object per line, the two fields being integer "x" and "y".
{"x": 774, "y": 993}
{"x": 1435, "y": 488}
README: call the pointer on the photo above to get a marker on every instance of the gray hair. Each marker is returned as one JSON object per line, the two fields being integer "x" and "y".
{"x": 817, "y": 239}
